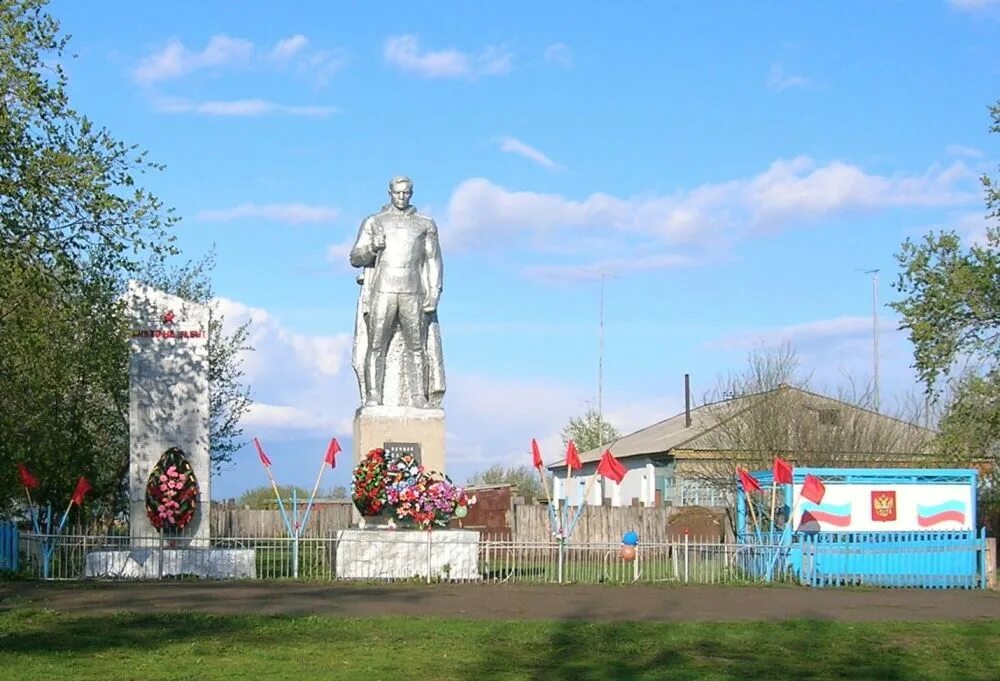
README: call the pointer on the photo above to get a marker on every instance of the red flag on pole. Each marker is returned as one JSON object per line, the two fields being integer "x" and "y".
{"x": 782, "y": 471}
{"x": 748, "y": 482}
{"x": 813, "y": 489}
{"x": 536, "y": 455}
{"x": 82, "y": 487}
{"x": 331, "y": 453}
{"x": 260, "y": 452}
{"x": 572, "y": 457}
{"x": 27, "y": 479}
{"x": 610, "y": 467}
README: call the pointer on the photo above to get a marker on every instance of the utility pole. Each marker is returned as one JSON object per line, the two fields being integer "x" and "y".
{"x": 600, "y": 370}
{"x": 874, "y": 274}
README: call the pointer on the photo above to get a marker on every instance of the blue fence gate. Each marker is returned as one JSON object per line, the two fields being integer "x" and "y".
{"x": 8, "y": 546}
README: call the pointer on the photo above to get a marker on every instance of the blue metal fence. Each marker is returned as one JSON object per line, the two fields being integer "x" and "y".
{"x": 929, "y": 560}
{"x": 8, "y": 546}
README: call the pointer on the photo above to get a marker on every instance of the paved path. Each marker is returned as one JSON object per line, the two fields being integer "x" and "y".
{"x": 607, "y": 603}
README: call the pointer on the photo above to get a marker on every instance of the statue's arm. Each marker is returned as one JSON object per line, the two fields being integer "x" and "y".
{"x": 435, "y": 273}
{"x": 364, "y": 251}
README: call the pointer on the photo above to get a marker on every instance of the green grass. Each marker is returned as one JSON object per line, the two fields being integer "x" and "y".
{"x": 44, "y": 645}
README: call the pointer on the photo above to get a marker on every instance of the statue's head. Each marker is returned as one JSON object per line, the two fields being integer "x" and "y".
{"x": 400, "y": 191}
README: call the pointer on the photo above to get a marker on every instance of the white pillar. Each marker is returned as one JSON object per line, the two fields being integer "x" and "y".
{"x": 616, "y": 494}
{"x": 649, "y": 479}
{"x": 557, "y": 490}
{"x": 597, "y": 493}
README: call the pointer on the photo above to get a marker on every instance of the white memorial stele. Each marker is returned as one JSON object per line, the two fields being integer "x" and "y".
{"x": 168, "y": 402}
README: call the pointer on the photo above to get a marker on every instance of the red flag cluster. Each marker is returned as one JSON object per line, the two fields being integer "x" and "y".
{"x": 27, "y": 479}
{"x": 260, "y": 452}
{"x": 573, "y": 457}
{"x": 331, "y": 453}
{"x": 813, "y": 489}
{"x": 782, "y": 471}
{"x": 610, "y": 467}
{"x": 82, "y": 487}
{"x": 748, "y": 482}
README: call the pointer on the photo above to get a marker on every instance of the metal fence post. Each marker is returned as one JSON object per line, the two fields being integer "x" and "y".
{"x": 686, "y": 533}
{"x": 428, "y": 555}
{"x": 560, "y": 562}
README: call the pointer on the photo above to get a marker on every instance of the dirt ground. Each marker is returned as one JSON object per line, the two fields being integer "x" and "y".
{"x": 604, "y": 603}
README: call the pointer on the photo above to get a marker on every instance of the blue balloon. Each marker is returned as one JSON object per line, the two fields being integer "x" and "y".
{"x": 630, "y": 538}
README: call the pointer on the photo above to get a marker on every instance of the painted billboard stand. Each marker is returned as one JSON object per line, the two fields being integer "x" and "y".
{"x": 294, "y": 526}
{"x": 879, "y": 526}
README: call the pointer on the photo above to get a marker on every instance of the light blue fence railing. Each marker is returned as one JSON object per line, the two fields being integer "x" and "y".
{"x": 8, "y": 546}
{"x": 930, "y": 560}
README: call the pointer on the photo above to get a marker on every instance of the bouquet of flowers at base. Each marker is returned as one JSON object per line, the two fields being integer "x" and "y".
{"x": 368, "y": 488}
{"x": 402, "y": 473}
{"x": 430, "y": 500}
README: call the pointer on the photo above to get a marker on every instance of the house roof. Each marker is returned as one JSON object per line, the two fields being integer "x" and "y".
{"x": 673, "y": 433}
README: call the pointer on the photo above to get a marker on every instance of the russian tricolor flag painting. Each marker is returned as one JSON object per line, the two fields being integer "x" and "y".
{"x": 935, "y": 514}
{"x": 838, "y": 515}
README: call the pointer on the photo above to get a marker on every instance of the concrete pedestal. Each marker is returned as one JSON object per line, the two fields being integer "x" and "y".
{"x": 375, "y": 426}
{"x": 153, "y": 563}
{"x": 408, "y": 554}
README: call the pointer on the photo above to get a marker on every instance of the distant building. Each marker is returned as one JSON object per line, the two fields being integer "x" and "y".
{"x": 670, "y": 462}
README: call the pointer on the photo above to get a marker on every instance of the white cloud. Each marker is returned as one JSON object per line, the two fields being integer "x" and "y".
{"x": 779, "y": 80}
{"x": 974, "y": 5}
{"x": 292, "y": 213}
{"x": 972, "y": 228}
{"x": 242, "y": 108}
{"x": 963, "y": 151}
{"x": 288, "y": 48}
{"x": 792, "y": 191}
{"x": 175, "y": 60}
{"x": 820, "y": 330}
{"x": 296, "y": 379}
{"x": 404, "y": 53}
{"x": 559, "y": 54}
{"x": 512, "y": 145}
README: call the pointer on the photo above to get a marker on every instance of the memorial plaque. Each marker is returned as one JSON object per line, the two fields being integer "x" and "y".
{"x": 401, "y": 448}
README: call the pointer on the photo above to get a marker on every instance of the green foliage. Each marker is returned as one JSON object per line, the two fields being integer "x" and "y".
{"x": 75, "y": 226}
{"x": 524, "y": 478}
{"x": 951, "y": 295}
{"x": 951, "y": 307}
{"x": 263, "y": 497}
{"x": 589, "y": 431}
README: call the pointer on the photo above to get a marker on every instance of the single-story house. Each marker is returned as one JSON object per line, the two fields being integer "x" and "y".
{"x": 688, "y": 459}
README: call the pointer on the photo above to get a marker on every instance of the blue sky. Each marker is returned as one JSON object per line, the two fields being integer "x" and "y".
{"x": 731, "y": 167}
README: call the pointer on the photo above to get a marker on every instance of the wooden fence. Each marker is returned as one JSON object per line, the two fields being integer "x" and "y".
{"x": 323, "y": 521}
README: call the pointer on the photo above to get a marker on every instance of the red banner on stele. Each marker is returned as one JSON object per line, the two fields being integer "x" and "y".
{"x": 884, "y": 506}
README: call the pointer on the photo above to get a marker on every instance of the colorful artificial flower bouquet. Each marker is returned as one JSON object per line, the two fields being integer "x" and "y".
{"x": 171, "y": 492}
{"x": 368, "y": 489}
{"x": 414, "y": 495}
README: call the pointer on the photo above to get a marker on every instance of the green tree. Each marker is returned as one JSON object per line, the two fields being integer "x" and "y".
{"x": 589, "y": 431}
{"x": 74, "y": 227}
{"x": 263, "y": 497}
{"x": 524, "y": 479}
{"x": 950, "y": 305}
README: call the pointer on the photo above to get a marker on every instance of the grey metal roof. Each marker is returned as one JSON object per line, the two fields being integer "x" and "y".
{"x": 672, "y": 433}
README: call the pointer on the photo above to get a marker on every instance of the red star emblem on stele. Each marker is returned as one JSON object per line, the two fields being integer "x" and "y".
{"x": 168, "y": 317}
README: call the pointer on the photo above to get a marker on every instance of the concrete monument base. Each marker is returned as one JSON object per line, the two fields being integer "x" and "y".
{"x": 407, "y": 554}
{"x": 153, "y": 563}
{"x": 377, "y": 426}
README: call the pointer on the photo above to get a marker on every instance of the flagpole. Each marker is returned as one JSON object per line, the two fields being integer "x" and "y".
{"x": 774, "y": 496}
{"x": 281, "y": 505}
{"x": 583, "y": 502}
{"x": 31, "y": 510}
{"x": 753, "y": 513}
{"x": 305, "y": 516}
